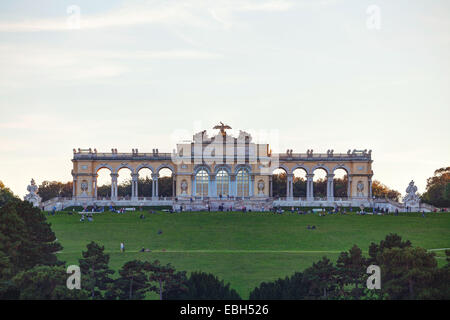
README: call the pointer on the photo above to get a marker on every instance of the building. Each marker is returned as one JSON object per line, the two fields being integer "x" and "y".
{"x": 222, "y": 169}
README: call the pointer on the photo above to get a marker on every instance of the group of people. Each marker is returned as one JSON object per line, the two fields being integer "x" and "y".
{"x": 88, "y": 216}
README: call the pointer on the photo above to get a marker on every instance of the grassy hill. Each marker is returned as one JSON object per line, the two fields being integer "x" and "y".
{"x": 241, "y": 248}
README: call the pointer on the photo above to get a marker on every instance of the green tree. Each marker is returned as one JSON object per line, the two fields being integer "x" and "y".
{"x": 392, "y": 240}
{"x": 52, "y": 189}
{"x": 438, "y": 188}
{"x": 132, "y": 283}
{"x": 322, "y": 279}
{"x": 94, "y": 269}
{"x": 25, "y": 236}
{"x": 6, "y": 194}
{"x": 45, "y": 283}
{"x": 407, "y": 273}
{"x": 164, "y": 276}
{"x": 351, "y": 269}
{"x": 295, "y": 287}
{"x": 201, "y": 286}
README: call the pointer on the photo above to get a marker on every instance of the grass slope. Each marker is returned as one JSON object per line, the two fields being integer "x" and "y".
{"x": 244, "y": 249}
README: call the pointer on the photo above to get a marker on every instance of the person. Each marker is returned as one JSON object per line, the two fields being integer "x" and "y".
{"x": 143, "y": 249}
{"x": 122, "y": 247}
{"x": 53, "y": 211}
{"x": 82, "y": 218}
{"x": 423, "y": 214}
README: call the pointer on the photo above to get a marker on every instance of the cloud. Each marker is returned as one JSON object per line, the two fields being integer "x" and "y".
{"x": 198, "y": 13}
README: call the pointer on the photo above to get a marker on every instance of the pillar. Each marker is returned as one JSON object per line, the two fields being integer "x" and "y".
{"x": 271, "y": 186}
{"x": 289, "y": 186}
{"x": 349, "y": 186}
{"x": 309, "y": 187}
{"x": 134, "y": 185}
{"x": 74, "y": 188}
{"x": 192, "y": 185}
{"x": 233, "y": 185}
{"x": 94, "y": 180}
{"x": 174, "y": 185}
{"x": 330, "y": 187}
{"x": 155, "y": 177}
{"x": 114, "y": 186}
{"x": 251, "y": 187}
{"x": 370, "y": 188}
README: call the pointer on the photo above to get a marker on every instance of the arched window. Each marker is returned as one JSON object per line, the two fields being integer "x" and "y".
{"x": 242, "y": 181}
{"x": 222, "y": 182}
{"x": 201, "y": 183}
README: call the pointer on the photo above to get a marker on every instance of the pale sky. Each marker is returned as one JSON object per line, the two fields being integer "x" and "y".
{"x": 322, "y": 74}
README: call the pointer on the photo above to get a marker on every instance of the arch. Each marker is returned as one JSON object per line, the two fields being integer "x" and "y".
{"x": 202, "y": 182}
{"x": 144, "y": 165}
{"x": 199, "y": 167}
{"x": 299, "y": 182}
{"x": 242, "y": 166}
{"x": 284, "y": 167}
{"x": 122, "y": 166}
{"x": 165, "y": 166}
{"x": 300, "y": 166}
{"x": 225, "y": 167}
{"x": 104, "y": 166}
{"x": 320, "y": 166}
{"x": 243, "y": 182}
{"x": 222, "y": 182}
{"x": 341, "y": 166}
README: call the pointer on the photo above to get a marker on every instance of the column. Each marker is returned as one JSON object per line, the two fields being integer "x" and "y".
{"x": 370, "y": 188}
{"x": 233, "y": 185}
{"x": 251, "y": 187}
{"x": 114, "y": 186}
{"x": 330, "y": 187}
{"x": 74, "y": 188}
{"x": 349, "y": 189}
{"x": 95, "y": 186}
{"x": 192, "y": 185}
{"x": 212, "y": 188}
{"x": 155, "y": 177}
{"x": 270, "y": 186}
{"x": 134, "y": 185}
{"x": 310, "y": 187}
{"x": 289, "y": 189}
{"x": 174, "y": 185}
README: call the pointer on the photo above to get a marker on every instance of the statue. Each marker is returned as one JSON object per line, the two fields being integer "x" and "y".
{"x": 261, "y": 185}
{"x": 32, "y": 195}
{"x": 360, "y": 189}
{"x": 411, "y": 199}
{"x": 222, "y": 128}
{"x": 184, "y": 187}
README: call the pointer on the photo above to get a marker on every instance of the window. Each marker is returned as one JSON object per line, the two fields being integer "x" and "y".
{"x": 242, "y": 181}
{"x": 222, "y": 182}
{"x": 201, "y": 183}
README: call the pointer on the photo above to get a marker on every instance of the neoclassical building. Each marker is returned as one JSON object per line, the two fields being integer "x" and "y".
{"x": 222, "y": 169}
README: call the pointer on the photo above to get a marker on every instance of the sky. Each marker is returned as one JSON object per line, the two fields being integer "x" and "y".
{"x": 306, "y": 74}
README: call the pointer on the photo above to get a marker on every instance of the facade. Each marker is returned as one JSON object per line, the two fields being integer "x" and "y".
{"x": 222, "y": 168}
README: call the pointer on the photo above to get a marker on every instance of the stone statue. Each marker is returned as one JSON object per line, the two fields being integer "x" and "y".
{"x": 261, "y": 187}
{"x": 411, "y": 199}
{"x": 222, "y": 128}
{"x": 360, "y": 189}
{"x": 32, "y": 195}
{"x": 184, "y": 186}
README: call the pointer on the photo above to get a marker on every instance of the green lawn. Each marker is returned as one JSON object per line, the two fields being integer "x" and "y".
{"x": 243, "y": 249}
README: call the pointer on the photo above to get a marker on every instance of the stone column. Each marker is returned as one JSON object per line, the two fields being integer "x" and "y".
{"x": 251, "y": 187}
{"x": 174, "y": 185}
{"x": 233, "y": 185}
{"x": 349, "y": 188}
{"x": 192, "y": 185}
{"x": 330, "y": 187}
{"x": 289, "y": 187}
{"x": 212, "y": 188}
{"x": 134, "y": 185}
{"x": 114, "y": 186}
{"x": 94, "y": 180}
{"x": 74, "y": 188}
{"x": 310, "y": 187}
{"x": 270, "y": 186}
{"x": 155, "y": 177}
{"x": 370, "y": 188}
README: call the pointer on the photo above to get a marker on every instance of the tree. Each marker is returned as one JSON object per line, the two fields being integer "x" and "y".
{"x": 6, "y": 194}
{"x": 53, "y": 189}
{"x": 132, "y": 283}
{"x": 322, "y": 279}
{"x": 164, "y": 276}
{"x": 438, "y": 188}
{"x": 380, "y": 190}
{"x": 95, "y": 270}
{"x": 351, "y": 270}
{"x": 279, "y": 185}
{"x": 201, "y": 286}
{"x": 295, "y": 287}
{"x": 25, "y": 236}
{"x": 407, "y": 272}
{"x": 45, "y": 283}
{"x": 392, "y": 240}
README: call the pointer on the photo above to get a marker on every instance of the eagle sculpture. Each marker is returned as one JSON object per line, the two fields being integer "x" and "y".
{"x": 222, "y": 128}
